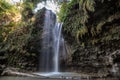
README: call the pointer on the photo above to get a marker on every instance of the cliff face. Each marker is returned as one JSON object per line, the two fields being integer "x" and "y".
{"x": 92, "y": 29}
{"x": 21, "y": 48}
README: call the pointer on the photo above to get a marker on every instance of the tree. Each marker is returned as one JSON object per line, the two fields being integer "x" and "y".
{"x": 9, "y": 15}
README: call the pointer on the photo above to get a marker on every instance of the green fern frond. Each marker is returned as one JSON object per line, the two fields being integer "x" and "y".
{"x": 90, "y": 5}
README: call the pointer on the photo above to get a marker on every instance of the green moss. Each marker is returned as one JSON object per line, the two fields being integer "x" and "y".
{"x": 83, "y": 20}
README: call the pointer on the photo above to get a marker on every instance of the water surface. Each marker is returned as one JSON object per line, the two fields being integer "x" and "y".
{"x": 30, "y": 78}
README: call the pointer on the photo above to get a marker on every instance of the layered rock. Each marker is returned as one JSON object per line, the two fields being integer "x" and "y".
{"x": 92, "y": 32}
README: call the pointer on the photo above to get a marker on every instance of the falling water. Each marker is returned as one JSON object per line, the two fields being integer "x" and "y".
{"x": 51, "y": 42}
{"x": 47, "y": 42}
{"x": 57, "y": 38}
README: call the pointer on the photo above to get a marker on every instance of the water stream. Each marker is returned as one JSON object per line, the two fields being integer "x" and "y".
{"x": 57, "y": 39}
{"x": 51, "y": 42}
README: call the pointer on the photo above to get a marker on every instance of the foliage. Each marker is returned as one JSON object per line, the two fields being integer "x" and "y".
{"x": 35, "y": 2}
{"x": 27, "y": 11}
{"x": 61, "y": 14}
{"x": 16, "y": 43}
{"x": 76, "y": 13}
{"x": 15, "y": 33}
{"x": 9, "y": 15}
{"x": 82, "y": 20}
{"x": 23, "y": 41}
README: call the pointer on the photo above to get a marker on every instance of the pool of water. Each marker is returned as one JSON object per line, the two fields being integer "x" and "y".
{"x": 58, "y": 74}
{"x": 31, "y": 78}
{"x": 48, "y": 78}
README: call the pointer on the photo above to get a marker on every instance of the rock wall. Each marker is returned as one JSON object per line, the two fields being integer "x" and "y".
{"x": 92, "y": 33}
{"x": 22, "y": 48}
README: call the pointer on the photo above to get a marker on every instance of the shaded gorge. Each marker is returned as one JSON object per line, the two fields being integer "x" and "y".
{"x": 80, "y": 42}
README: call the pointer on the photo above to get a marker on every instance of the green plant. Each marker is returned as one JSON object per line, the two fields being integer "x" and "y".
{"x": 82, "y": 19}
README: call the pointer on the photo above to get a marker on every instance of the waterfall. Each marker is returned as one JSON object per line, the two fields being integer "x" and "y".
{"x": 47, "y": 42}
{"x": 51, "y": 42}
{"x": 57, "y": 38}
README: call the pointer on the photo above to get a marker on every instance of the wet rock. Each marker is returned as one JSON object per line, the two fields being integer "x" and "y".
{"x": 15, "y": 72}
{"x": 103, "y": 61}
{"x": 8, "y": 71}
{"x": 2, "y": 68}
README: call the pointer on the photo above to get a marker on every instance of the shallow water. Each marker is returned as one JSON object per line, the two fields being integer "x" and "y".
{"x": 31, "y": 78}
{"x": 58, "y": 74}
{"x": 73, "y": 76}
{"x": 48, "y": 78}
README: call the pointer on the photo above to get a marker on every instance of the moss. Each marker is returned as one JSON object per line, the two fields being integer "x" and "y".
{"x": 83, "y": 20}
{"x": 21, "y": 44}
{"x": 93, "y": 31}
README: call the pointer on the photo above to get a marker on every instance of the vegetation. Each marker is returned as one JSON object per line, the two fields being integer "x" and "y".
{"x": 91, "y": 28}
{"x": 19, "y": 32}
{"x": 9, "y": 15}
{"x": 83, "y": 20}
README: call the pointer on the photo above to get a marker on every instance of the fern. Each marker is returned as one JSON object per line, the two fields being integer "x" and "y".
{"x": 78, "y": 22}
{"x": 87, "y": 4}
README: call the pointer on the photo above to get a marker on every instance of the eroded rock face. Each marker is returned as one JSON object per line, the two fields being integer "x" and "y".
{"x": 101, "y": 60}
{"x": 96, "y": 51}
{"x": 1, "y": 69}
{"x": 28, "y": 37}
